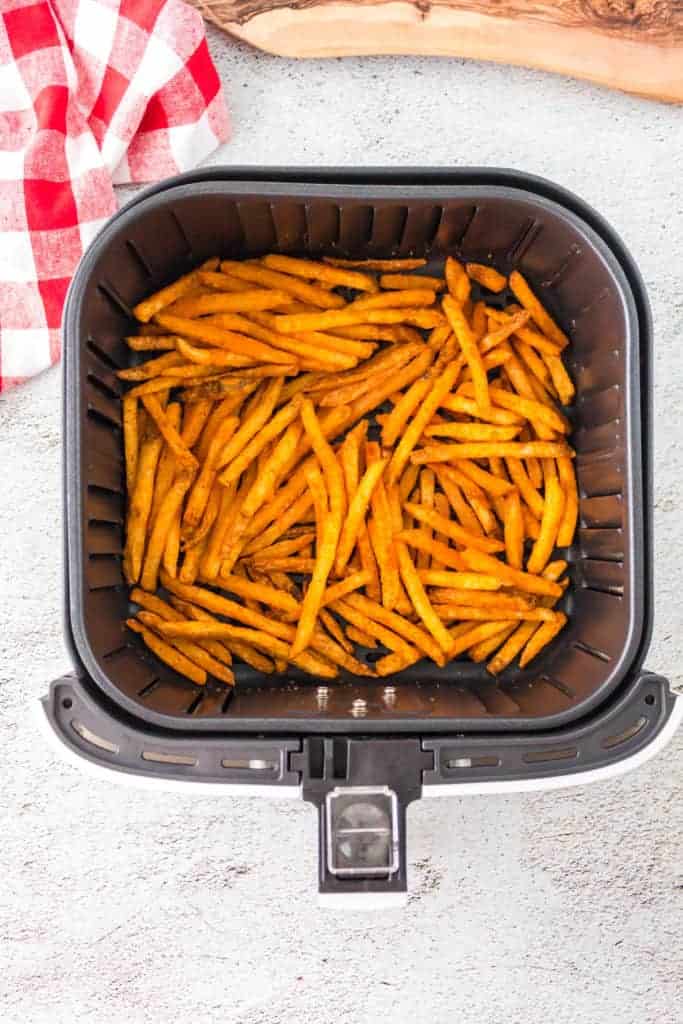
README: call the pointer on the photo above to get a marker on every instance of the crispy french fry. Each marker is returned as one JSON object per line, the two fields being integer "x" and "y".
{"x": 546, "y": 632}
{"x": 356, "y": 514}
{"x": 168, "y": 511}
{"x": 458, "y": 580}
{"x": 220, "y": 302}
{"x": 261, "y": 592}
{"x": 470, "y": 349}
{"x": 359, "y": 636}
{"x": 169, "y": 432}
{"x": 151, "y": 342}
{"x": 311, "y": 294}
{"x": 151, "y": 369}
{"x": 472, "y": 431}
{"x": 408, "y": 282}
{"x": 141, "y": 503}
{"x": 485, "y": 449}
{"x": 451, "y": 529}
{"x": 199, "y": 495}
{"x": 419, "y": 599}
{"x": 501, "y": 417}
{"x": 398, "y": 265}
{"x": 488, "y": 277}
{"x": 570, "y": 514}
{"x": 243, "y": 650}
{"x": 414, "y": 297}
{"x": 196, "y": 653}
{"x": 321, "y": 272}
{"x": 131, "y": 440}
{"x": 421, "y": 540}
{"x": 514, "y": 530}
{"x": 542, "y": 318}
{"x": 146, "y": 309}
{"x": 478, "y": 561}
{"x": 168, "y": 654}
{"x": 411, "y": 435}
{"x": 480, "y": 651}
{"x": 457, "y": 281}
{"x": 550, "y": 524}
{"x": 528, "y": 408}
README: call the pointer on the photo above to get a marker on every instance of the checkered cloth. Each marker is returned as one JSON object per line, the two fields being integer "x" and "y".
{"x": 92, "y": 93}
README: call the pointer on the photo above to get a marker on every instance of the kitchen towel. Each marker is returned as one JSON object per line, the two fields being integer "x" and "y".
{"x": 93, "y": 93}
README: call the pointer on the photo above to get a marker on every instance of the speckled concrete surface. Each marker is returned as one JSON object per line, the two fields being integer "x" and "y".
{"x": 123, "y": 906}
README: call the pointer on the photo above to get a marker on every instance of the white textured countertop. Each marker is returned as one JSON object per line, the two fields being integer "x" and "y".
{"x": 127, "y": 907}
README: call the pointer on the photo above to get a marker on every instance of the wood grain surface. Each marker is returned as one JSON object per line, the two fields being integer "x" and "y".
{"x": 633, "y": 45}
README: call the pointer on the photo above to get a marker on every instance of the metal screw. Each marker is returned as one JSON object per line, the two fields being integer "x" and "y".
{"x": 322, "y": 693}
{"x": 389, "y": 694}
{"x": 359, "y": 707}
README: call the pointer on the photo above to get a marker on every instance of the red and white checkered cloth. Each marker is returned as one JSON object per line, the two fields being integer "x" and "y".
{"x": 92, "y": 93}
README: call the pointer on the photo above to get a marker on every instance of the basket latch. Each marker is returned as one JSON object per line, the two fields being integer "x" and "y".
{"x": 362, "y": 789}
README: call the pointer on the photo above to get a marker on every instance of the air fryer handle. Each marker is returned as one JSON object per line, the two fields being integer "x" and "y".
{"x": 362, "y": 789}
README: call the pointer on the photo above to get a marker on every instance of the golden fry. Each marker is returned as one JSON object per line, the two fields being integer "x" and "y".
{"x": 168, "y": 654}
{"x": 146, "y": 309}
{"x": 451, "y": 529}
{"x": 481, "y": 562}
{"x": 419, "y": 599}
{"x": 321, "y": 272}
{"x": 550, "y": 524}
{"x": 398, "y": 265}
{"x": 131, "y": 441}
{"x": 411, "y": 281}
{"x": 457, "y": 280}
{"x": 514, "y": 530}
{"x": 472, "y": 431}
{"x": 411, "y": 435}
{"x": 309, "y": 293}
{"x": 542, "y": 318}
{"x": 488, "y": 277}
{"x": 356, "y": 514}
{"x": 421, "y": 540}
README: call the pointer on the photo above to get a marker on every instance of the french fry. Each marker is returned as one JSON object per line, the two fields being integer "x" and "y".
{"x": 478, "y": 561}
{"x": 235, "y": 350}
{"x": 169, "y": 432}
{"x": 541, "y": 317}
{"x": 131, "y": 440}
{"x": 359, "y": 636}
{"x": 220, "y": 302}
{"x": 473, "y": 511}
{"x": 546, "y": 632}
{"x": 397, "y": 265}
{"x": 472, "y": 431}
{"x": 480, "y": 651}
{"x": 414, "y": 297}
{"x": 284, "y": 548}
{"x": 514, "y": 530}
{"x": 199, "y": 495}
{"x": 145, "y": 310}
{"x": 411, "y": 281}
{"x": 334, "y": 319}
{"x": 527, "y": 408}
{"x": 168, "y": 511}
{"x": 152, "y": 368}
{"x": 488, "y": 277}
{"x": 444, "y": 598}
{"x": 451, "y": 529}
{"x": 355, "y": 581}
{"x": 470, "y": 349}
{"x": 570, "y": 514}
{"x": 550, "y": 524}
{"x": 141, "y": 503}
{"x": 458, "y": 580}
{"x": 311, "y": 294}
{"x": 485, "y": 449}
{"x": 236, "y": 464}
{"x": 168, "y": 654}
{"x": 457, "y": 281}
{"x": 441, "y": 386}
{"x": 243, "y": 650}
{"x": 421, "y": 540}
{"x": 419, "y": 599}
{"x": 334, "y": 629}
{"x": 260, "y": 490}
{"x": 427, "y": 485}
{"x": 356, "y": 514}
{"x": 501, "y": 417}
{"x": 151, "y": 342}
{"x": 196, "y": 653}
{"x": 261, "y": 592}
{"x": 322, "y": 272}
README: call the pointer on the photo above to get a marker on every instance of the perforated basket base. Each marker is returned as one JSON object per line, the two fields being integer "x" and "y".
{"x": 580, "y": 270}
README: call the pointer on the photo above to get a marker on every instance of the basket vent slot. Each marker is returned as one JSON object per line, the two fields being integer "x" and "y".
{"x": 252, "y": 764}
{"x": 139, "y": 257}
{"x": 482, "y": 761}
{"x": 525, "y": 239}
{"x": 92, "y": 738}
{"x": 540, "y": 756}
{"x": 104, "y": 388}
{"x": 148, "y": 687}
{"x": 183, "y": 234}
{"x": 102, "y": 355}
{"x": 160, "y": 757}
{"x": 117, "y": 301}
{"x": 568, "y": 263}
{"x": 626, "y": 734}
{"x": 593, "y": 651}
{"x": 105, "y": 421}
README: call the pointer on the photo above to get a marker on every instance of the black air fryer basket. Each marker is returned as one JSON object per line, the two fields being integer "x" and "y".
{"x": 363, "y": 750}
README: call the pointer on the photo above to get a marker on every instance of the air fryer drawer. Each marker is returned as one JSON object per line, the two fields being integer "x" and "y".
{"x": 580, "y": 271}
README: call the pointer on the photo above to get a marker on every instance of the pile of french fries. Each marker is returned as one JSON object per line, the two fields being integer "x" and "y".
{"x": 342, "y": 453}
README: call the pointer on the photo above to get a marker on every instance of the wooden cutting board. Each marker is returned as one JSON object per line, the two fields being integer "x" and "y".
{"x": 633, "y": 45}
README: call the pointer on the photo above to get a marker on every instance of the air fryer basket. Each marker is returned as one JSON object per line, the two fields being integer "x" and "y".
{"x": 578, "y": 275}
